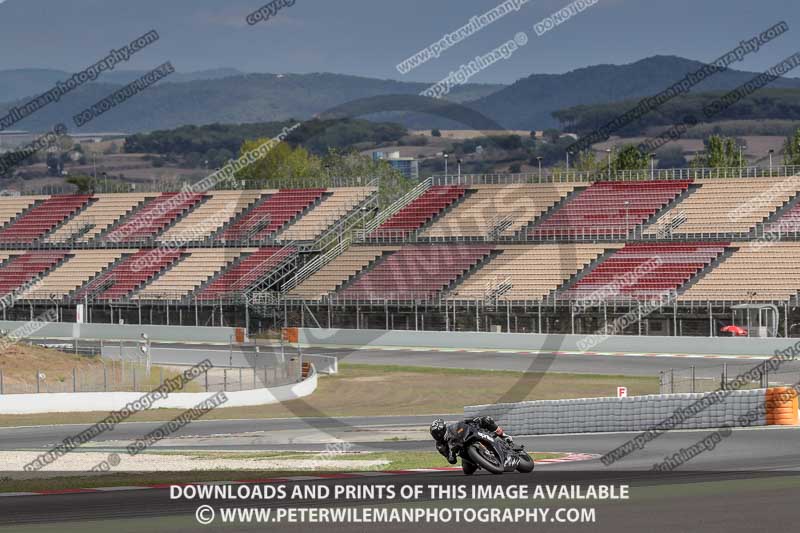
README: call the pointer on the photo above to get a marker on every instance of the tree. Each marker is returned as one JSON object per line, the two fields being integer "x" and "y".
{"x": 585, "y": 161}
{"x": 791, "y": 149}
{"x": 721, "y": 152}
{"x": 630, "y": 158}
{"x": 436, "y": 133}
{"x": 85, "y": 184}
{"x": 282, "y": 164}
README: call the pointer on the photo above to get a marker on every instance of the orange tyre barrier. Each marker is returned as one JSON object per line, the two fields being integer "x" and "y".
{"x": 781, "y": 406}
{"x": 240, "y": 335}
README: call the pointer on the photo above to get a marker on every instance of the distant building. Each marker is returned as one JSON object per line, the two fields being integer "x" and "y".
{"x": 408, "y": 166}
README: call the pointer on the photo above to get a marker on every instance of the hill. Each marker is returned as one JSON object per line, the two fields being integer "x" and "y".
{"x": 530, "y": 102}
{"x": 238, "y": 99}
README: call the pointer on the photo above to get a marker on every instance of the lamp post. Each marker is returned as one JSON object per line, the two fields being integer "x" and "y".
{"x": 627, "y": 203}
{"x": 459, "y": 170}
{"x": 539, "y": 160}
{"x": 608, "y": 151}
{"x": 771, "y": 151}
{"x": 145, "y": 347}
{"x": 652, "y": 166}
{"x": 445, "y": 166}
{"x": 567, "y": 161}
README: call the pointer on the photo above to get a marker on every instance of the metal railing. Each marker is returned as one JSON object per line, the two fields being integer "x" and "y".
{"x": 399, "y": 204}
{"x": 316, "y": 264}
{"x": 573, "y": 176}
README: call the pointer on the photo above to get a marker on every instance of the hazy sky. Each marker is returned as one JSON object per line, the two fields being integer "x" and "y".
{"x": 370, "y": 37}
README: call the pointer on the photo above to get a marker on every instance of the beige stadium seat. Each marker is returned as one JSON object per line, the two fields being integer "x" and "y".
{"x": 188, "y": 274}
{"x": 729, "y": 205}
{"x": 337, "y": 272}
{"x": 82, "y": 266}
{"x": 99, "y": 216}
{"x": 208, "y": 217}
{"x": 488, "y": 204}
{"x": 328, "y": 212}
{"x": 770, "y": 270}
{"x": 533, "y": 270}
{"x": 12, "y": 206}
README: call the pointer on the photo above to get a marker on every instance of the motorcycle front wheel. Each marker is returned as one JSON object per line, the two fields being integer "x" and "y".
{"x": 485, "y": 458}
{"x": 468, "y": 468}
{"x": 525, "y": 465}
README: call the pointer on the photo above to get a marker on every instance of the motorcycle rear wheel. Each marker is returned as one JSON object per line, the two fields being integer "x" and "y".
{"x": 479, "y": 457}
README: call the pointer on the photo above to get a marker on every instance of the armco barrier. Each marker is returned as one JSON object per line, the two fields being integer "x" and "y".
{"x": 127, "y": 332}
{"x": 533, "y": 341}
{"x": 636, "y": 413}
{"x": 18, "y": 404}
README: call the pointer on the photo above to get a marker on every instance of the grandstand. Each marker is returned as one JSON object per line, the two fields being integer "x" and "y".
{"x": 460, "y": 255}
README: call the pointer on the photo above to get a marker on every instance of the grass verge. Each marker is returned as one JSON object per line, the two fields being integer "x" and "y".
{"x": 369, "y": 390}
{"x": 396, "y": 461}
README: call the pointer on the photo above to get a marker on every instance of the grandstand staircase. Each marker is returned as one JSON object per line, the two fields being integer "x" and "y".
{"x": 230, "y": 264}
{"x": 521, "y": 232}
{"x": 469, "y": 272}
{"x": 69, "y": 220}
{"x": 762, "y": 227}
{"x": 92, "y": 284}
{"x": 276, "y": 235}
{"x": 721, "y": 258}
{"x": 413, "y": 235}
{"x": 217, "y": 235}
{"x": 650, "y": 223}
{"x": 585, "y": 271}
{"x": 397, "y": 205}
{"x": 125, "y": 218}
{"x": 363, "y": 272}
{"x": 203, "y": 199}
{"x": 157, "y": 275}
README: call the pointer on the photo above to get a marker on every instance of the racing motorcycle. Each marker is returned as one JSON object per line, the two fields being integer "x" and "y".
{"x": 481, "y": 449}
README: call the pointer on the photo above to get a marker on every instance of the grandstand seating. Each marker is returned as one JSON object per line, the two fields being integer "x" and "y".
{"x": 20, "y": 269}
{"x": 129, "y": 274}
{"x": 601, "y": 210}
{"x": 152, "y": 218}
{"x": 415, "y": 272}
{"x": 271, "y": 215}
{"x": 246, "y": 273}
{"x": 787, "y": 222}
{"x": 80, "y": 267}
{"x": 42, "y": 217}
{"x": 337, "y": 272}
{"x": 730, "y": 206}
{"x": 758, "y": 272}
{"x": 643, "y": 270}
{"x": 97, "y": 217}
{"x": 209, "y": 217}
{"x": 419, "y": 211}
{"x": 528, "y": 272}
{"x": 514, "y": 205}
{"x": 188, "y": 275}
{"x": 12, "y": 206}
{"x": 334, "y": 207}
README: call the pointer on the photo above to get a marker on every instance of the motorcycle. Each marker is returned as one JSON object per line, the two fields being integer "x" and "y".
{"x": 481, "y": 449}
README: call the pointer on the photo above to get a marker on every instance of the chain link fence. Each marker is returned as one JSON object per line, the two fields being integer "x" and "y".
{"x": 132, "y": 376}
{"x": 708, "y": 378}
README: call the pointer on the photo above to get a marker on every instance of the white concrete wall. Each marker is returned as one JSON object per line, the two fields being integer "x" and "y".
{"x": 637, "y": 413}
{"x": 548, "y": 342}
{"x": 16, "y": 404}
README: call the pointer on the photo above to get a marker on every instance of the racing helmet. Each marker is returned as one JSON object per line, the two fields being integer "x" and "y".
{"x": 438, "y": 429}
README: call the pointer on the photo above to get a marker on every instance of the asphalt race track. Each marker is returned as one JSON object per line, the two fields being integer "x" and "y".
{"x": 621, "y": 364}
{"x": 748, "y": 482}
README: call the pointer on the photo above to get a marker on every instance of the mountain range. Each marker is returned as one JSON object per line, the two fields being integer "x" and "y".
{"x": 230, "y": 96}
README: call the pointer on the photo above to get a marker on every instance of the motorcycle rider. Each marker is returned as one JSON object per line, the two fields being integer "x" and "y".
{"x": 439, "y": 429}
